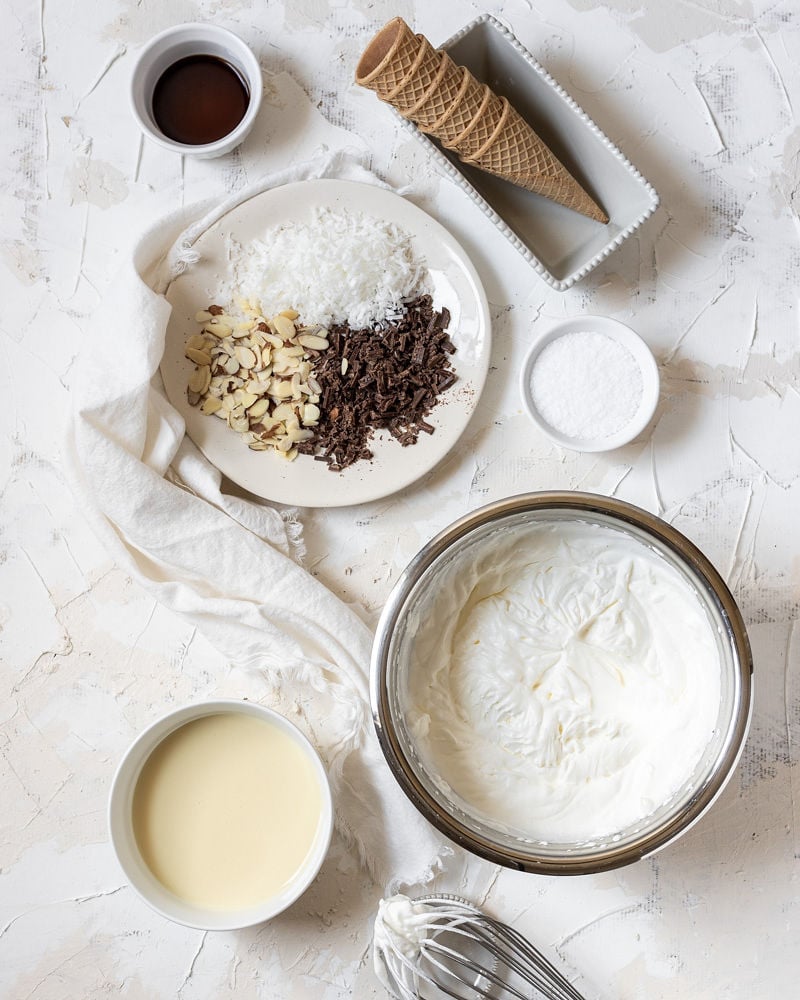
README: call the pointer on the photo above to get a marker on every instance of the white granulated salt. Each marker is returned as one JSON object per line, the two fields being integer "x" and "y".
{"x": 341, "y": 266}
{"x": 586, "y": 385}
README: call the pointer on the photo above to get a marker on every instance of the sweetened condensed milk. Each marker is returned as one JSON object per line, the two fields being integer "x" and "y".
{"x": 226, "y": 811}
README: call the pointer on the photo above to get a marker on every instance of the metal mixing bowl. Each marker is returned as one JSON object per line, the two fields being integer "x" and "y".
{"x": 411, "y": 600}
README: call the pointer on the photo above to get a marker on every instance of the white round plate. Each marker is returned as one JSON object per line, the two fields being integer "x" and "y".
{"x": 454, "y": 284}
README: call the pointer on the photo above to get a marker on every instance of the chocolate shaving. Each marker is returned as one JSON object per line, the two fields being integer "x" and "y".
{"x": 394, "y": 375}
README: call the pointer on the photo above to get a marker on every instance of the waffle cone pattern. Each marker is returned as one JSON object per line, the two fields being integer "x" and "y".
{"x": 419, "y": 80}
{"x": 482, "y": 127}
{"x": 516, "y": 153}
{"x": 441, "y": 95}
{"x": 447, "y": 102}
{"x": 466, "y": 105}
{"x": 388, "y": 59}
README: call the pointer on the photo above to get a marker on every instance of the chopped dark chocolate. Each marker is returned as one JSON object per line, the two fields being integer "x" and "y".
{"x": 388, "y": 378}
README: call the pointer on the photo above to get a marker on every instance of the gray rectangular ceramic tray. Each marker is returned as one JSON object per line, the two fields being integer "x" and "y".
{"x": 561, "y": 245}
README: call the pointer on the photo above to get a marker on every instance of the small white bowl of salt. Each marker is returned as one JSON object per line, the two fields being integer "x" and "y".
{"x": 590, "y": 384}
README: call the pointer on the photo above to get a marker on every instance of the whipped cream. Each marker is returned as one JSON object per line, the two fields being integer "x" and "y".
{"x": 401, "y": 927}
{"x": 564, "y": 681}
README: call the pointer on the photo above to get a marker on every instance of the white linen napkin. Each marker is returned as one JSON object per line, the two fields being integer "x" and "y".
{"x": 226, "y": 564}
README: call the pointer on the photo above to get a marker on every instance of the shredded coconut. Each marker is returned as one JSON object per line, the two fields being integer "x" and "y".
{"x": 586, "y": 385}
{"x": 341, "y": 267}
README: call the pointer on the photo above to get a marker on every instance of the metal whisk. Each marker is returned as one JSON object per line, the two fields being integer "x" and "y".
{"x": 442, "y": 946}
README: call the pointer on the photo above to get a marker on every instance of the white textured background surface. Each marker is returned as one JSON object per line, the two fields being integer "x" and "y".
{"x": 703, "y": 96}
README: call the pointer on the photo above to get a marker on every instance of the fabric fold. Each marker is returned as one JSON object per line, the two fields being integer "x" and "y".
{"x": 226, "y": 564}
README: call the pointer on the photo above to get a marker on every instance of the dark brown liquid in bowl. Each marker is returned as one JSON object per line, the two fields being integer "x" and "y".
{"x": 199, "y": 99}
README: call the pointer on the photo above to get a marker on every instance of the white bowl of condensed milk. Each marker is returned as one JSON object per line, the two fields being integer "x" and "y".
{"x": 220, "y": 814}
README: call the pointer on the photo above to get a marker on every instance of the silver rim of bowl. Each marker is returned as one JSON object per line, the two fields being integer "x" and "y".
{"x": 608, "y": 856}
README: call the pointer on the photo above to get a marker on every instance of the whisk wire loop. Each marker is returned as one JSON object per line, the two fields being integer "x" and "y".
{"x": 539, "y": 972}
{"x": 463, "y": 954}
{"x": 480, "y": 971}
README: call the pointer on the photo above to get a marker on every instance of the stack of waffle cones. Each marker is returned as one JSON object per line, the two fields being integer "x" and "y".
{"x": 446, "y": 101}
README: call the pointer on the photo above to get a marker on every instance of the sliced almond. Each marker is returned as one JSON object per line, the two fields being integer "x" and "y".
{"x": 311, "y": 413}
{"x": 258, "y": 409}
{"x": 280, "y": 388}
{"x": 300, "y": 434}
{"x": 211, "y": 404}
{"x": 281, "y": 364}
{"x": 313, "y": 342}
{"x": 283, "y": 411}
{"x": 258, "y": 386}
{"x": 267, "y": 427}
{"x": 218, "y": 329}
{"x": 244, "y": 398}
{"x": 284, "y": 327}
{"x": 245, "y": 357}
{"x": 199, "y": 357}
{"x": 200, "y": 379}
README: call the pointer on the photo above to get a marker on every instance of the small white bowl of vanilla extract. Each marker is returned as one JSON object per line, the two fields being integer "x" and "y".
{"x": 196, "y": 90}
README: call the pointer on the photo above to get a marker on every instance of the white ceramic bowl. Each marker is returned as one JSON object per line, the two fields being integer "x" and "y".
{"x": 641, "y": 354}
{"x": 179, "y": 42}
{"x": 124, "y": 842}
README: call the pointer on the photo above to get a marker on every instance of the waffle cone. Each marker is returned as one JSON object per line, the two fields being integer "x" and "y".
{"x": 466, "y": 116}
{"x": 440, "y": 96}
{"x": 457, "y": 97}
{"x": 389, "y": 58}
{"x": 466, "y": 103}
{"x": 517, "y": 154}
{"x": 419, "y": 80}
{"x": 482, "y": 127}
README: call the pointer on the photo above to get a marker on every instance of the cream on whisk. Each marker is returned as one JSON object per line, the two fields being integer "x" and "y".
{"x": 565, "y": 682}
